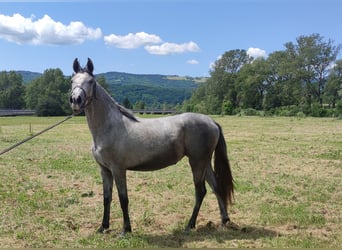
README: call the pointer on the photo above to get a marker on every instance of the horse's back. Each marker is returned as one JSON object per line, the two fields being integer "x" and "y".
{"x": 191, "y": 134}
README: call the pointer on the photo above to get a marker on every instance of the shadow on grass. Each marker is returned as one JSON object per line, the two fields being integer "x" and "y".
{"x": 209, "y": 232}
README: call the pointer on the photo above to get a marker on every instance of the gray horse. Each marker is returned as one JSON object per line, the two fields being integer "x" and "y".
{"x": 124, "y": 142}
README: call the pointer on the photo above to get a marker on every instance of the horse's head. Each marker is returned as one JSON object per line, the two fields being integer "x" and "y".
{"x": 83, "y": 86}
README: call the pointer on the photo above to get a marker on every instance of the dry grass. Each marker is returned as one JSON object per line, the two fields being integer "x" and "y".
{"x": 288, "y": 189}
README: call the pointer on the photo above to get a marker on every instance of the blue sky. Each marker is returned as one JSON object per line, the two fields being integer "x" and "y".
{"x": 174, "y": 37}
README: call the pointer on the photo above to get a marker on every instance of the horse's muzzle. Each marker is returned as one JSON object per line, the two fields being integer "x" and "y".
{"x": 77, "y": 100}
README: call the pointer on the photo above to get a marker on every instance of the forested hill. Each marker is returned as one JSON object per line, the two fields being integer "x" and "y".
{"x": 28, "y": 76}
{"x": 151, "y": 89}
{"x": 150, "y": 80}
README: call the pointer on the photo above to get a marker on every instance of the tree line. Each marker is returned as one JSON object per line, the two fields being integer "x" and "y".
{"x": 48, "y": 94}
{"x": 303, "y": 79}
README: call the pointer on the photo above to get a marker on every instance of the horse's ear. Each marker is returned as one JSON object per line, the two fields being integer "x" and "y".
{"x": 90, "y": 66}
{"x": 76, "y": 66}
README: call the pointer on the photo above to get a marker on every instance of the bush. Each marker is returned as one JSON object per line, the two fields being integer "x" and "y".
{"x": 227, "y": 108}
{"x": 317, "y": 110}
{"x": 49, "y": 107}
{"x": 248, "y": 112}
{"x": 300, "y": 114}
{"x": 339, "y": 108}
{"x": 291, "y": 110}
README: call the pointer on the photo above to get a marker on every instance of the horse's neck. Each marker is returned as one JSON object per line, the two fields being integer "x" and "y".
{"x": 102, "y": 113}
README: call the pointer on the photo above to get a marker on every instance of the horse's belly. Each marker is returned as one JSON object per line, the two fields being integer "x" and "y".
{"x": 157, "y": 162}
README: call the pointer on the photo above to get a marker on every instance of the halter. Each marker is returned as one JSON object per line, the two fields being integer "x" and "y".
{"x": 88, "y": 99}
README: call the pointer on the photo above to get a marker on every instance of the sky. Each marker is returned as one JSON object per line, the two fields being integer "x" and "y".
{"x": 169, "y": 37}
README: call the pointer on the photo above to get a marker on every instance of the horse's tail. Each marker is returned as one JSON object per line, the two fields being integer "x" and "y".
{"x": 223, "y": 174}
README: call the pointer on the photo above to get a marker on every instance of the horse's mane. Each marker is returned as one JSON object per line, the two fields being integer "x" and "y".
{"x": 126, "y": 112}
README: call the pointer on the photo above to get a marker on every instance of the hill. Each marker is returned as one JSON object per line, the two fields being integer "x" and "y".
{"x": 28, "y": 76}
{"x": 152, "y": 89}
{"x": 150, "y": 80}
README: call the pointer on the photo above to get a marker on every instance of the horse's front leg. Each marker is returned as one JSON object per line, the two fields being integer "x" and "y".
{"x": 107, "y": 179}
{"x": 121, "y": 185}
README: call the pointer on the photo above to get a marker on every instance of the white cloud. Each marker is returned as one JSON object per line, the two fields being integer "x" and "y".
{"x": 16, "y": 28}
{"x": 192, "y": 61}
{"x": 23, "y": 30}
{"x": 151, "y": 42}
{"x": 132, "y": 41}
{"x": 46, "y": 31}
{"x": 172, "y": 48}
{"x": 256, "y": 53}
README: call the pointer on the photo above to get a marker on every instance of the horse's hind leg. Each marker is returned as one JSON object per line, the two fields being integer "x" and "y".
{"x": 121, "y": 185}
{"x": 198, "y": 172}
{"x": 210, "y": 178}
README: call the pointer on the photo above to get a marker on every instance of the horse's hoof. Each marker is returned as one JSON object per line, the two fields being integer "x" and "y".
{"x": 102, "y": 230}
{"x": 124, "y": 233}
{"x": 188, "y": 229}
{"x": 231, "y": 225}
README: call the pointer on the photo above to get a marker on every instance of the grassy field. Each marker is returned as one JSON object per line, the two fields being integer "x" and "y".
{"x": 287, "y": 172}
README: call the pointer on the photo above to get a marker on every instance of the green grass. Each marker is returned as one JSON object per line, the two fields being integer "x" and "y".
{"x": 288, "y": 189}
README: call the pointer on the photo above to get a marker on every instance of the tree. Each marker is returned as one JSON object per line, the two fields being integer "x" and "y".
{"x": 102, "y": 81}
{"x": 48, "y": 94}
{"x": 127, "y": 104}
{"x": 253, "y": 83}
{"x": 333, "y": 88}
{"x": 295, "y": 80}
{"x": 220, "y": 87}
{"x": 139, "y": 105}
{"x": 225, "y": 73}
{"x": 314, "y": 57}
{"x": 11, "y": 90}
{"x": 284, "y": 88}
{"x": 232, "y": 61}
